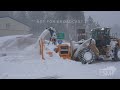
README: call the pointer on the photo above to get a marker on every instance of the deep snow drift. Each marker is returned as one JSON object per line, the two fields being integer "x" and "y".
{"x": 22, "y": 60}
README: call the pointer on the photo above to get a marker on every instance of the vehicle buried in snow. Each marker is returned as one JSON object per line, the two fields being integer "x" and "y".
{"x": 100, "y": 46}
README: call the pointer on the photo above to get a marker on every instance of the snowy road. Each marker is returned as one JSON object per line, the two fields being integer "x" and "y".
{"x": 24, "y": 67}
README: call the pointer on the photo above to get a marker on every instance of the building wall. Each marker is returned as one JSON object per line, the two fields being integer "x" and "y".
{"x": 9, "y": 26}
{"x": 12, "y": 32}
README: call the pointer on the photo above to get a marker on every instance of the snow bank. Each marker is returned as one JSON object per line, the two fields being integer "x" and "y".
{"x": 15, "y": 42}
{"x": 27, "y": 64}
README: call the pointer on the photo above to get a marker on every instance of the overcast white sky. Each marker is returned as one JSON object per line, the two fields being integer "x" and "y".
{"x": 105, "y": 18}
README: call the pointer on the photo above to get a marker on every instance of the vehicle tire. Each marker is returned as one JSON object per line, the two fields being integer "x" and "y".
{"x": 86, "y": 56}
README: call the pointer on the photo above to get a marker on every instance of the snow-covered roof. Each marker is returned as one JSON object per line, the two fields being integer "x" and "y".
{"x": 2, "y": 18}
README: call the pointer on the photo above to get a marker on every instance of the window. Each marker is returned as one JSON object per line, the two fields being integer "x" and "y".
{"x": 7, "y": 25}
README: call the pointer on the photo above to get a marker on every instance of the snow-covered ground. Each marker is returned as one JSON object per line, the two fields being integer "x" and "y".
{"x": 26, "y": 63}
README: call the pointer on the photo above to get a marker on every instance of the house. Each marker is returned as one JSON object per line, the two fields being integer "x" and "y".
{"x": 10, "y": 26}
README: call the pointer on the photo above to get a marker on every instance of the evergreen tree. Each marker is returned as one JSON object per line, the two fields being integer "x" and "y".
{"x": 79, "y": 23}
{"x": 90, "y": 24}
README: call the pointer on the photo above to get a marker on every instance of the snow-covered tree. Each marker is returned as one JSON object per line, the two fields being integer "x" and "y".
{"x": 90, "y": 24}
{"x": 80, "y": 22}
